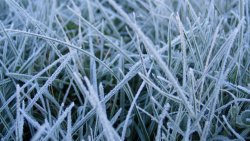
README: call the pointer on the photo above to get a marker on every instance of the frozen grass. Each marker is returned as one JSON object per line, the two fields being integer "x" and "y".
{"x": 124, "y": 70}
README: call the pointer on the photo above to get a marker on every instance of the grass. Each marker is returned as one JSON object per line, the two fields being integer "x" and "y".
{"x": 124, "y": 70}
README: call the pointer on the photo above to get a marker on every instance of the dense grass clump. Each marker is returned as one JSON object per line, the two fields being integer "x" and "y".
{"x": 124, "y": 70}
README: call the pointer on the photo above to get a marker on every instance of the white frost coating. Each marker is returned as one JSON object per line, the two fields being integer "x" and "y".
{"x": 91, "y": 95}
{"x": 137, "y": 55}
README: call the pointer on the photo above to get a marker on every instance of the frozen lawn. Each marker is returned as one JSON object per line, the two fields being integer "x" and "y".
{"x": 124, "y": 70}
